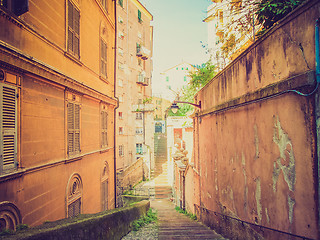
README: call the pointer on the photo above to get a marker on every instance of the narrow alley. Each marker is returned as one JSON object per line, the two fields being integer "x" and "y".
{"x": 171, "y": 224}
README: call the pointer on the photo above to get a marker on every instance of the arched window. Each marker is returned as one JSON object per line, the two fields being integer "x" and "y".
{"x": 104, "y": 187}
{"x": 74, "y": 196}
{"x": 9, "y": 216}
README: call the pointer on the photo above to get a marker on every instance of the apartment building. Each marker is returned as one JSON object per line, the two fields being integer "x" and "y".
{"x": 175, "y": 78}
{"x": 135, "y": 127}
{"x": 231, "y": 29}
{"x": 57, "y": 109}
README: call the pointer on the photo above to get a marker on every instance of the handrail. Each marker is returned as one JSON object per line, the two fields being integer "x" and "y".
{"x": 253, "y": 224}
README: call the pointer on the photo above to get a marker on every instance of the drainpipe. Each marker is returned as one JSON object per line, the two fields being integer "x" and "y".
{"x": 115, "y": 110}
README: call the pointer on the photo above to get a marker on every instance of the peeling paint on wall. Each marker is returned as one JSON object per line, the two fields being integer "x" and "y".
{"x": 216, "y": 174}
{"x": 245, "y": 182}
{"x": 286, "y": 161}
{"x": 291, "y": 203}
{"x": 285, "y": 164}
{"x": 258, "y": 198}
{"x": 267, "y": 215}
{"x": 256, "y": 141}
{"x": 228, "y": 195}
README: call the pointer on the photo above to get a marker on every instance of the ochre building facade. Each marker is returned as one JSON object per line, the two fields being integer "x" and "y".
{"x": 57, "y": 110}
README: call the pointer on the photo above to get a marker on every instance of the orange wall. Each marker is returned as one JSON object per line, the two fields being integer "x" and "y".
{"x": 256, "y": 143}
{"x": 33, "y": 46}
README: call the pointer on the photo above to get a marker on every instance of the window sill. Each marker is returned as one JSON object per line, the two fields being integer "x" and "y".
{"x": 104, "y": 78}
{"x": 105, "y": 150}
{"x": 73, "y": 58}
{"x": 10, "y": 176}
{"x": 73, "y": 159}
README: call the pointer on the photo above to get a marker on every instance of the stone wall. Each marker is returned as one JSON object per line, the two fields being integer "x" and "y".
{"x": 112, "y": 224}
{"x": 255, "y": 139}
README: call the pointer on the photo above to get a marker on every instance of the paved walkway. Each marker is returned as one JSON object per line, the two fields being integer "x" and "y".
{"x": 175, "y": 225}
{"x": 171, "y": 224}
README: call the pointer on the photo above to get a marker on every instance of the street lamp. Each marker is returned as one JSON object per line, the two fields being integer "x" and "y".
{"x": 174, "y": 107}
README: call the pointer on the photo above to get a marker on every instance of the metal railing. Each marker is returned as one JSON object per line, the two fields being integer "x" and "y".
{"x": 252, "y": 224}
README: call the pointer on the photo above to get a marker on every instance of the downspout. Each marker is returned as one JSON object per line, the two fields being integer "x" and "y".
{"x": 115, "y": 110}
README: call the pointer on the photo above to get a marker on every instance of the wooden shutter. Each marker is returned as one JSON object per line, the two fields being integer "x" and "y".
{"x": 74, "y": 208}
{"x": 8, "y": 148}
{"x": 76, "y": 41}
{"x": 70, "y": 125}
{"x": 73, "y": 30}
{"x": 103, "y": 54}
{"x": 104, "y": 129}
{"x": 139, "y": 16}
{"x": 77, "y": 128}
{"x": 73, "y": 125}
{"x": 104, "y": 195}
{"x": 70, "y": 27}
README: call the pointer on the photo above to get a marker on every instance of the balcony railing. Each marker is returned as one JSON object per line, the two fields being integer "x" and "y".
{"x": 143, "y": 80}
{"x": 142, "y": 52}
{"x": 147, "y": 107}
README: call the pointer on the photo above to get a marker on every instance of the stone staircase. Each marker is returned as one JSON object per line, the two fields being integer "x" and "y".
{"x": 162, "y": 187}
{"x": 158, "y": 187}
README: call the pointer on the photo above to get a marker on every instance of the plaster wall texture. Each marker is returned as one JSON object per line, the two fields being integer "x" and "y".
{"x": 132, "y": 92}
{"x": 258, "y": 161}
{"x": 33, "y": 47}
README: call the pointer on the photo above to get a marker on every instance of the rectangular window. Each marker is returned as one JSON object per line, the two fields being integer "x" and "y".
{"x": 120, "y": 115}
{"x": 73, "y": 30}
{"x": 139, "y": 130}
{"x": 121, "y": 150}
{"x": 8, "y": 128}
{"x": 139, "y": 148}
{"x": 73, "y": 125}
{"x": 120, "y": 130}
{"x": 103, "y": 58}
{"x": 139, "y": 16}
{"x": 104, "y": 128}
{"x": 104, "y": 4}
{"x": 139, "y": 116}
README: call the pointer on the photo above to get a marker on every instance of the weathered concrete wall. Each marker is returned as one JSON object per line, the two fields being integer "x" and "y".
{"x": 131, "y": 175}
{"x": 257, "y": 143}
{"x": 106, "y": 225}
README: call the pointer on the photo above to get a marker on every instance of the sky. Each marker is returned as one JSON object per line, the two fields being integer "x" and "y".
{"x": 178, "y": 32}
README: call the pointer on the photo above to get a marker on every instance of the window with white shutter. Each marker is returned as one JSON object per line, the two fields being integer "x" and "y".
{"x": 73, "y": 30}
{"x": 73, "y": 128}
{"x": 8, "y": 127}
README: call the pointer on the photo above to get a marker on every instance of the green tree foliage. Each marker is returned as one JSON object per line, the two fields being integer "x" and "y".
{"x": 199, "y": 79}
{"x": 229, "y": 45}
{"x": 270, "y": 11}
